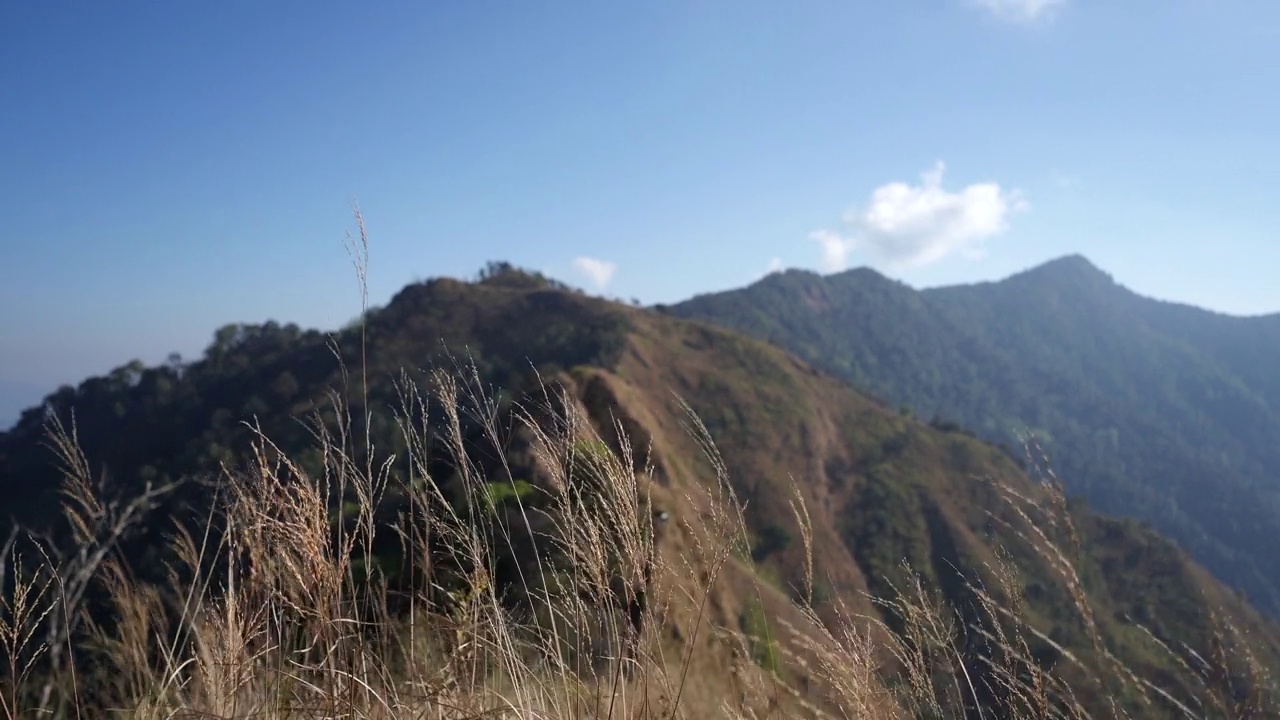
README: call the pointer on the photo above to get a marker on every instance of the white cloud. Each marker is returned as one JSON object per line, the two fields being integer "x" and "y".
{"x": 775, "y": 266}
{"x": 599, "y": 272}
{"x": 835, "y": 249}
{"x": 1021, "y": 11}
{"x": 905, "y": 225}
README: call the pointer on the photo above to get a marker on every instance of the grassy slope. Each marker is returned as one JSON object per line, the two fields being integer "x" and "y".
{"x": 882, "y": 488}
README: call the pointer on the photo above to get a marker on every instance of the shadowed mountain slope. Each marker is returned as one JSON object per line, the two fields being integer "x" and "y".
{"x": 1151, "y": 410}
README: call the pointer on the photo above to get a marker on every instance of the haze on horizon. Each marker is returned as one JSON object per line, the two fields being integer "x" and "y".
{"x": 171, "y": 168}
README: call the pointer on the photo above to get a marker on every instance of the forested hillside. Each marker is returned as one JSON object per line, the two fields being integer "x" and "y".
{"x": 1156, "y": 411}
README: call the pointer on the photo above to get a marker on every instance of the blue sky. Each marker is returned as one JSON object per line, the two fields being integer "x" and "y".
{"x": 166, "y": 168}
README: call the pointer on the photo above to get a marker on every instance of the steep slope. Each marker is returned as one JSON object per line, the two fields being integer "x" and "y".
{"x": 1150, "y": 410}
{"x": 884, "y": 491}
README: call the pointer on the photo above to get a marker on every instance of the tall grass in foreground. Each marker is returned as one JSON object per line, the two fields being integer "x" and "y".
{"x": 281, "y": 605}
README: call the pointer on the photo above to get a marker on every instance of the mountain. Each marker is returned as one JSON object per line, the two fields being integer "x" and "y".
{"x": 890, "y": 498}
{"x": 1147, "y": 409}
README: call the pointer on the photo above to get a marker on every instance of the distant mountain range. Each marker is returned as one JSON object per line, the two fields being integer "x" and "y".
{"x": 1148, "y": 409}
{"x": 1060, "y": 349}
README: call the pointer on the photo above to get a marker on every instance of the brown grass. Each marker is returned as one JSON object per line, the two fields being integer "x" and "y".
{"x": 276, "y": 610}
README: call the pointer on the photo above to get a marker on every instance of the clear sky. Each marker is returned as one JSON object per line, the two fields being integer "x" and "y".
{"x": 166, "y": 168}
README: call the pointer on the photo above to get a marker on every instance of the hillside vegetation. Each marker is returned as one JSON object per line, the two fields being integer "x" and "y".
{"x": 586, "y": 510}
{"x": 1160, "y": 412}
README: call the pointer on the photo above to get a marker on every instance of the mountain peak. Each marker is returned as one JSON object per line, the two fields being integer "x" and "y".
{"x": 1072, "y": 270}
{"x": 1074, "y": 264}
{"x": 861, "y": 271}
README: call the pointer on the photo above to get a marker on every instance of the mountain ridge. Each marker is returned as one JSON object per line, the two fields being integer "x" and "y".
{"x": 1146, "y": 406}
{"x": 881, "y": 487}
